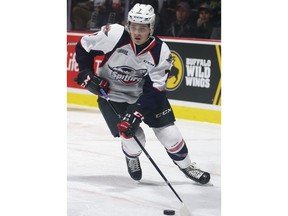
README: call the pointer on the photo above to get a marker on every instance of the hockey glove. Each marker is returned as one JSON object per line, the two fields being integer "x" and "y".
{"x": 130, "y": 123}
{"x": 93, "y": 83}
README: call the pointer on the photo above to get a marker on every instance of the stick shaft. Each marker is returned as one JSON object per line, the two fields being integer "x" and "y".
{"x": 143, "y": 149}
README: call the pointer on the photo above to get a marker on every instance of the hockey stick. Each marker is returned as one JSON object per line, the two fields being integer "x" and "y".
{"x": 183, "y": 211}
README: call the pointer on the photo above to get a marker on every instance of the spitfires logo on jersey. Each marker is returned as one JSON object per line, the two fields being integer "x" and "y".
{"x": 127, "y": 75}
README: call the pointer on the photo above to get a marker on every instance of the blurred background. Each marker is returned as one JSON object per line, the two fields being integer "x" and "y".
{"x": 174, "y": 18}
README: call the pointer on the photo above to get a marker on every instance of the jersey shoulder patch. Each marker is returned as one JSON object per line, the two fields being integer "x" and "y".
{"x": 113, "y": 30}
{"x": 104, "y": 40}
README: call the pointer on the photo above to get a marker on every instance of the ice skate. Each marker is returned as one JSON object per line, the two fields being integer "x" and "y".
{"x": 192, "y": 172}
{"x": 196, "y": 174}
{"x": 134, "y": 168}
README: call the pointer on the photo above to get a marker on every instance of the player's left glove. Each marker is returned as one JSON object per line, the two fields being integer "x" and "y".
{"x": 131, "y": 121}
{"x": 93, "y": 83}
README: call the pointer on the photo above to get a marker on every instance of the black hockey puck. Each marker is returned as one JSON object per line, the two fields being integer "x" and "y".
{"x": 168, "y": 212}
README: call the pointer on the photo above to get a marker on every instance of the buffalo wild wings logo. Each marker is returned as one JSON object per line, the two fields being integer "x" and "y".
{"x": 176, "y": 73}
{"x": 127, "y": 75}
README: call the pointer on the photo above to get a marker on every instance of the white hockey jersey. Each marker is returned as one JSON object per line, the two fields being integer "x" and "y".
{"x": 133, "y": 76}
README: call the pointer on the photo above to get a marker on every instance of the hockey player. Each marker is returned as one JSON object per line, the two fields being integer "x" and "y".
{"x": 133, "y": 73}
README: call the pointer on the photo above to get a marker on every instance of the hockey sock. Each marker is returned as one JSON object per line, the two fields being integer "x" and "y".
{"x": 180, "y": 154}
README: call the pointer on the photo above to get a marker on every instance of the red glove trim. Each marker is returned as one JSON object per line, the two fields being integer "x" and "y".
{"x": 123, "y": 127}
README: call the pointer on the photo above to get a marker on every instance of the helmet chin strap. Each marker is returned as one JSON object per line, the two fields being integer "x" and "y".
{"x": 146, "y": 40}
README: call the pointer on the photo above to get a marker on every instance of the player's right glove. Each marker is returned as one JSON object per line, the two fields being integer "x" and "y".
{"x": 131, "y": 121}
{"x": 93, "y": 83}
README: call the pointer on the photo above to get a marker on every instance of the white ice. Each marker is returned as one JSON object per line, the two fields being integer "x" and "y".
{"x": 99, "y": 184}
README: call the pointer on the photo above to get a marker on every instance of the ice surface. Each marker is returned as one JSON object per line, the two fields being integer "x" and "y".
{"x": 99, "y": 184}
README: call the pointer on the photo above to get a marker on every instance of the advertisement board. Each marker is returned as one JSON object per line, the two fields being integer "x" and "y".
{"x": 195, "y": 75}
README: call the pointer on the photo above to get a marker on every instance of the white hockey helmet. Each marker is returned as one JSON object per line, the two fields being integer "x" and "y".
{"x": 142, "y": 14}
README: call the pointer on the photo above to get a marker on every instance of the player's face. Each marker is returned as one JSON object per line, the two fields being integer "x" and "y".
{"x": 139, "y": 33}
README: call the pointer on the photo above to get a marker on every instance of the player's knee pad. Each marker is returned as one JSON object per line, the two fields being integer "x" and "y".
{"x": 130, "y": 147}
{"x": 171, "y": 138}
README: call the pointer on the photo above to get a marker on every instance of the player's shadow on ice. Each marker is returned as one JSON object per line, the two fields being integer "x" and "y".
{"x": 122, "y": 183}
{"x": 188, "y": 182}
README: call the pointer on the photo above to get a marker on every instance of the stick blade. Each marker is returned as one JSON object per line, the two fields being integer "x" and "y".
{"x": 184, "y": 211}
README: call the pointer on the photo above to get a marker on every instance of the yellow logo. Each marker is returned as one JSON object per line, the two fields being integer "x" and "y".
{"x": 176, "y": 74}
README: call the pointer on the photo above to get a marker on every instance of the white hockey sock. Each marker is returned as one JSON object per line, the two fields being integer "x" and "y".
{"x": 184, "y": 163}
{"x": 130, "y": 146}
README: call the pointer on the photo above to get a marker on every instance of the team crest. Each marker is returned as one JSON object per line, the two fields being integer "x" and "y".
{"x": 127, "y": 75}
{"x": 170, "y": 59}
